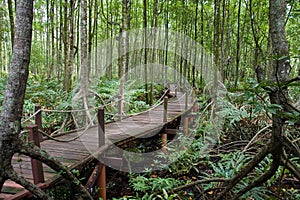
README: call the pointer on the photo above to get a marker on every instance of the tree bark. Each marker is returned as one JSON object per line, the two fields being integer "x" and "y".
{"x": 11, "y": 138}
{"x": 278, "y": 93}
{"x": 237, "y": 55}
{"x": 11, "y": 19}
{"x": 145, "y": 21}
{"x": 10, "y": 119}
{"x": 66, "y": 41}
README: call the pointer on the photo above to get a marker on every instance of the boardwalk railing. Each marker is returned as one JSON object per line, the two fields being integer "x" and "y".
{"x": 98, "y": 176}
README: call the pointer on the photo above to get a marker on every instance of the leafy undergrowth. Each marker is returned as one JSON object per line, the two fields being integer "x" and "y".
{"x": 49, "y": 94}
{"x": 189, "y": 169}
{"x": 247, "y": 127}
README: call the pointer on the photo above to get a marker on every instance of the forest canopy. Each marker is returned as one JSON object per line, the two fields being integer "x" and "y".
{"x": 55, "y": 53}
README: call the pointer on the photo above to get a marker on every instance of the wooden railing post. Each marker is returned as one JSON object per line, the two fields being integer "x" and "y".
{"x": 186, "y": 125}
{"x": 164, "y": 141}
{"x": 165, "y": 117}
{"x": 38, "y": 120}
{"x": 101, "y": 180}
{"x": 37, "y": 167}
{"x": 101, "y": 128}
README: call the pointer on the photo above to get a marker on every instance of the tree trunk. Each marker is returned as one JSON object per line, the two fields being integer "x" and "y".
{"x": 11, "y": 19}
{"x": 66, "y": 46}
{"x": 237, "y": 55}
{"x": 216, "y": 41}
{"x": 10, "y": 119}
{"x": 153, "y": 51}
{"x": 52, "y": 39}
{"x": 278, "y": 93}
{"x": 280, "y": 64}
{"x": 145, "y": 49}
{"x": 123, "y": 52}
{"x": 11, "y": 139}
{"x": 71, "y": 46}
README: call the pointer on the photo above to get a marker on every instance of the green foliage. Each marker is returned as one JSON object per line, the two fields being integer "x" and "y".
{"x": 147, "y": 196}
{"x": 152, "y": 188}
{"x": 228, "y": 166}
{"x": 47, "y": 93}
{"x": 134, "y": 94}
{"x": 233, "y": 114}
{"x": 143, "y": 184}
{"x": 184, "y": 161}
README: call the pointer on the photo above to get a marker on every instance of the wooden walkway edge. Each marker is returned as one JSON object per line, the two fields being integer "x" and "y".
{"x": 76, "y": 153}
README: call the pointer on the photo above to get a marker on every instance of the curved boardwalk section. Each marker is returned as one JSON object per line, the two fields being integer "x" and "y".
{"x": 76, "y": 152}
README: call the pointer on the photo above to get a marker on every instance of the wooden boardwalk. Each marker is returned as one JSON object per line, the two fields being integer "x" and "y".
{"x": 77, "y": 152}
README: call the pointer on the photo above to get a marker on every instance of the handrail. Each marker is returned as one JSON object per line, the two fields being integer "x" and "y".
{"x": 50, "y": 136}
{"x": 71, "y": 139}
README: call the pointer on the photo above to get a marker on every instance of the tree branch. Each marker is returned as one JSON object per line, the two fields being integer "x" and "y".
{"x": 290, "y": 145}
{"x": 27, "y": 185}
{"x": 291, "y": 81}
{"x": 293, "y": 169}
{"x": 285, "y": 161}
{"x": 268, "y": 174}
{"x": 199, "y": 182}
{"x": 248, "y": 168}
{"x": 35, "y": 152}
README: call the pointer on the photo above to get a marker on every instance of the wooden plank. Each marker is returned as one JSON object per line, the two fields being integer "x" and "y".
{"x": 74, "y": 153}
{"x": 5, "y": 196}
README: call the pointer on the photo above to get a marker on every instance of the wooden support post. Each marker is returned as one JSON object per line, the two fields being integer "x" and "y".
{"x": 185, "y": 125}
{"x": 101, "y": 180}
{"x": 38, "y": 120}
{"x": 165, "y": 118}
{"x": 176, "y": 91}
{"x": 37, "y": 167}
{"x": 164, "y": 141}
{"x": 101, "y": 128}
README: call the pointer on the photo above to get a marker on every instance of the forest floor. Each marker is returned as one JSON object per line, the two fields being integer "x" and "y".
{"x": 282, "y": 186}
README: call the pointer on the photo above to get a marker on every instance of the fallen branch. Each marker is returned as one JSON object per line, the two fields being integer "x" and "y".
{"x": 290, "y": 145}
{"x": 291, "y": 81}
{"x": 291, "y": 166}
{"x": 255, "y": 136}
{"x": 27, "y": 185}
{"x": 199, "y": 182}
{"x": 268, "y": 174}
{"x": 248, "y": 168}
{"x": 35, "y": 152}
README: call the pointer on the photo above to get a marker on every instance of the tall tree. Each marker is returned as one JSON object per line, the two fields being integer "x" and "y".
{"x": 216, "y": 41}
{"x": 153, "y": 52}
{"x": 279, "y": 81}
{"x": 237, "y": 55}
{"x": 123, "y": 51}
{"x": 11, "y": 19}
{"x": 11, "y": 138}
{"x": 145, "y": 24}
{"x": 195, "y": 38}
